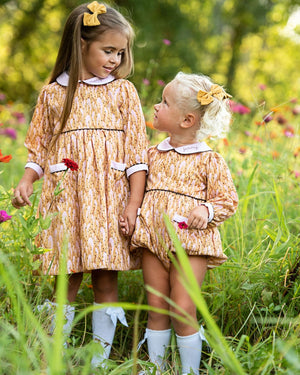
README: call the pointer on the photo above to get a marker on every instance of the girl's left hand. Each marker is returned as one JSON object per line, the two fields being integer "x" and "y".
{"x": 127, "y": 220}
{"x": 198, "y": 218}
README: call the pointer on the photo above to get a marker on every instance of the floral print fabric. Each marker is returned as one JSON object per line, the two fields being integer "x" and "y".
{"x": 175, "y": 185}
{"x": 105, "y": 129}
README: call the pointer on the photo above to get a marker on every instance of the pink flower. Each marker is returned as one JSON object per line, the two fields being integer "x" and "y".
{"x": 247, "y": 133}
{"x": 161, "y": 82}
{"x": 297, "y": 174}
{"x": 242, "y": 150}
{"x": 262, "y": 86}
{"x": 70, "y": 164}
{"x": 238, "y": 108}
{"x": 167, "y": 42}
{"x": 2, "y": 97}
{"x": 267, "y": 118}
{"x": 20, "y": 117}
{"x": 182, "y": 225}
{"x": 294, "y": 100}
{"x": 146, "y": 82}
{"x": 4, "y": 216}
{"x": 9, "y": 132}
{"x": 296, "y": 110}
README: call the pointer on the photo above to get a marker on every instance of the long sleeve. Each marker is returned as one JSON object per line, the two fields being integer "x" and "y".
{"x": 221, "y": 192}
{"x": 136, "y": 142}
{"x": 39, "y": 133}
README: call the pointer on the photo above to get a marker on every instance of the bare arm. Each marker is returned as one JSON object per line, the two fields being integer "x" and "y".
{"x": 137, "y": 188}
{"x": 25, "y": 188}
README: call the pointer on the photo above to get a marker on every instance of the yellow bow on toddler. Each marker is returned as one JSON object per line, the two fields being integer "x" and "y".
{"x": 216, "y": 91}
{"x": 92, "y": 19}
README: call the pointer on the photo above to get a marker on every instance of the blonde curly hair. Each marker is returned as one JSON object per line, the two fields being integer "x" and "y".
{"x": 215, "y": 117}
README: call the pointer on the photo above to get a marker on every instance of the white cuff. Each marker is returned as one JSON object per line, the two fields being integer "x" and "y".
{"x": 136, "y": 168}
{"x": 36, "y": 168}
{"x": 57, "y": 167}
{"x": 210, "y": 208}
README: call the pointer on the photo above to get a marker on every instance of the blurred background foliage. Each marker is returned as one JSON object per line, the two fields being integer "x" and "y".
{"x": 240, "y": 44}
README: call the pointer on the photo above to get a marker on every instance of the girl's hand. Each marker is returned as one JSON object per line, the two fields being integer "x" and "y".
{"x": 25, "y": 188}
{"x": 127, "y": 220}
{"x": 198, "y": 218}
{"x": 22, "y": 193}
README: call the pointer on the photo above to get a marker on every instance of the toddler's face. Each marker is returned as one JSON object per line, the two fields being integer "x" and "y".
{"x": 167, "y": 116}
{"x": 101, "y": 57}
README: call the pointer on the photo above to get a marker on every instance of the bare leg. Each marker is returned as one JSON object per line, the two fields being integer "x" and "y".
{"x": 157, "y": 277}
{"x": 105, "y": 286}
{"x": 180, "y": 296}
{"x": 74, "y": 281}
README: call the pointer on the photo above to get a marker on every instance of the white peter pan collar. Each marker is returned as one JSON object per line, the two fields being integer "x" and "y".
{"x": 185, "y": 150}
{"x": 63, "y": 80}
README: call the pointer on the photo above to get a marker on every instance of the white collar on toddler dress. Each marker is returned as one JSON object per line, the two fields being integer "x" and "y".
{"x": 63, "y": 80}
{"x": 186, "y": 149}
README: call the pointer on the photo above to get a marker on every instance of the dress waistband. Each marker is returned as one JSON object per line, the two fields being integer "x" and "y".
{"x": 175, "y": 192}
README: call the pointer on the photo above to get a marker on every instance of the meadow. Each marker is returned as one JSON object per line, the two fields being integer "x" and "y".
{"x": 249, "y": 306}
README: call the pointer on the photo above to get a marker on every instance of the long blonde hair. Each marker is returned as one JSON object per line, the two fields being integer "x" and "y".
{"x": 69, "y": 56}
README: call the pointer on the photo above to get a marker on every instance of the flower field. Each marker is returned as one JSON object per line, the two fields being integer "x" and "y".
{"x": 249, "y": 306}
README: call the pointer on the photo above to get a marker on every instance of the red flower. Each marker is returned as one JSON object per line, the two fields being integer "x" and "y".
{"x": 70, "y": 164}
{"x": 5, "y": 159}
{"x": 182, "y": 225}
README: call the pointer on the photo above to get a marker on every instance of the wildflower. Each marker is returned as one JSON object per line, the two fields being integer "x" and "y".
{"x": 150, "y": 125}
{"x": 238, "y": 108}
{"x": 294, "y": 100}
{"x": 20, "y": 117}
{"x": 296, "y": 110}
{"x": 9, "y": 132}
{"x": 257, "y": 138}
{"x": 182, "y": 225}
{"x": 268, "y": 118}
{"x": 225, "y": 142}
{"x": 262, "y": 86}
{"x": 281, "y": 119}
{"x": 2, "y": 97}
{"x": 247, "y": 133}
{"x": 259, "y": 123}
{"x": 161, "y": 82}
{"x": 70, "y": 164}
{"x": 297, "y": 174}
{"x": 275, "y": 155}
{"x": 4, "y": 216}
{"x": 167, "y": 42}
{"x": 146, "y": 82}
{"x": 5, "y": 159}
{"x": 296, "y": 152}
{"x": 242, "y": 150}
{"x": 273, "y": 135}
{"x": 289, "y": 132}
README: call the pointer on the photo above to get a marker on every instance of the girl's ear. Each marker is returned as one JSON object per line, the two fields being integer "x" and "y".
{"x": 189, "y": 120}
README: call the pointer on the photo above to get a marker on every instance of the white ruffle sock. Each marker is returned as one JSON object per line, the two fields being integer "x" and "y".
{"x": 104, "y": 321}
{"x": 157, "y": 342}
{"x": 69, "y": 313}
{"x": 190, "y": 348}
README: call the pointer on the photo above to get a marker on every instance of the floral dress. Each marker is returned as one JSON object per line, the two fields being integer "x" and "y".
{"x": 180, "y": 179}
{"x": 105, "y": 135}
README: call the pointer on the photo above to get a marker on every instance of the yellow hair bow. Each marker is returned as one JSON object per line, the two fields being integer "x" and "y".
{"x": 92, "y": 19}
{"x": 216, "y": 91}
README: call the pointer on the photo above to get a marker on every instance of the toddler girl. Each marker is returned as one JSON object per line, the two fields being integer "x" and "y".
{"x": 192, "y": 184}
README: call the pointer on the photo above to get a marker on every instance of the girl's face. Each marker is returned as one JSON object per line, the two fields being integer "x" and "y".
{"x": 167, "y": 115}
{"x": 101, "y": 57}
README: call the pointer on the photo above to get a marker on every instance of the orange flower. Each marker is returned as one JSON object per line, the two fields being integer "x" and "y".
{"x": 296, "y": 152}
{"x": 5, "y": 159}
{"x": 225, "y": 141}
{"x": 150, "y": 125}
{"x": 275, "y": 155}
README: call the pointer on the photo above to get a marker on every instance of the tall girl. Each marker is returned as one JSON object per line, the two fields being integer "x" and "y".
{"x": 90, "y": 114}
{"x": 192, "y": 184}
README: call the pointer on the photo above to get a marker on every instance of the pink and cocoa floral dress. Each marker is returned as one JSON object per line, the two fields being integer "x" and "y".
{"x": 105, "y": 135}
{"x": 180, "y": 179}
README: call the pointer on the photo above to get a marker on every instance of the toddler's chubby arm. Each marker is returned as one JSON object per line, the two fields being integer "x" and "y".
{"x": 198, "y": 218}
{"x": 24, "y": 189}
{"x": 137, "y": 188}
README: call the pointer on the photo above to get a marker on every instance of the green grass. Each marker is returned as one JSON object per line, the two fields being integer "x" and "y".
{"x": 249, "y": 306}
